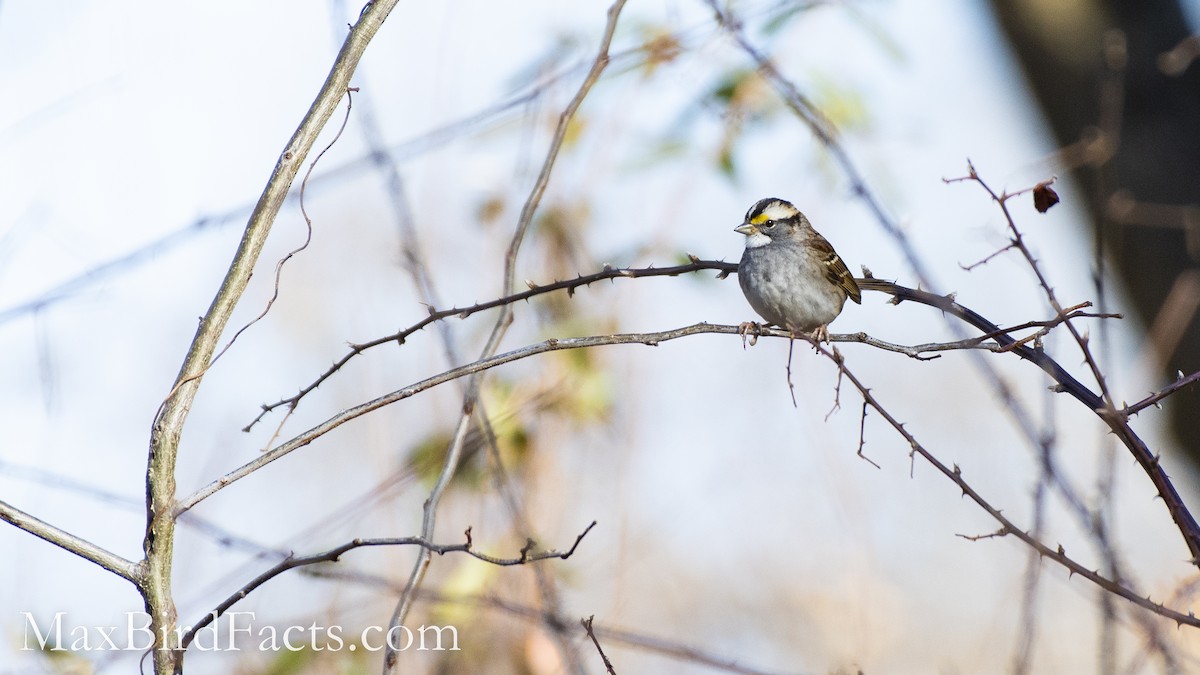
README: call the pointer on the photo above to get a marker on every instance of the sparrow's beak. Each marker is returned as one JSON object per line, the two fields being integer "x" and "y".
{"x": 746, "y": 229}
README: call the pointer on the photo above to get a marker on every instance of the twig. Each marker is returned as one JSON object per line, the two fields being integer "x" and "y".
{"x": 587, "y": 626}
{"x": 1002, "y": 532}
{"x": 282, "y": 261}
{"x": 862, "y": 429}
{"x": 308, "y": 229}
{"x": 991, "y": 256}
{"x": 334, "y": 555}
{"x": 788, "y": 370}
{"x": 1153, "y": 399}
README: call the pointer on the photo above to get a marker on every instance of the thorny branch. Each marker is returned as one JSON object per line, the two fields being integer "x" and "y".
{"x": 526, "y": 555}
{"x": 1065, "y": 382}
{"x": 1153, "y": 399}
{"x": 435, "y": 315}
{"x": 826, "y": 134}
{"x": 695, "y": 265}
{"x": 1007, "y": 527}
{"x": 1101, "y": 404}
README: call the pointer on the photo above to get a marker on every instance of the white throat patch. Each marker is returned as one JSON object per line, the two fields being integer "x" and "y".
{"x": 757, "y": 239}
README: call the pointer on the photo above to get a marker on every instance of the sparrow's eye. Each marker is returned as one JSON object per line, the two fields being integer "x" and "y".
{"x": 769, "y": 224}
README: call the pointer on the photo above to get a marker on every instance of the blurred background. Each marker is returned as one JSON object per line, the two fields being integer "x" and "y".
{"x": 736, "y": 533}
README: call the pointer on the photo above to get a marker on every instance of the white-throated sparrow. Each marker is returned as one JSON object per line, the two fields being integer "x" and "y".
{"x": 789, "y": 273}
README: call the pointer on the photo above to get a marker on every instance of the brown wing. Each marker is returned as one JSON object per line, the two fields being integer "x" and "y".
{"x": 835, "y": 269}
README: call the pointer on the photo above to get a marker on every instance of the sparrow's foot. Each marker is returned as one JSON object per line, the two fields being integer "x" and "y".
{"x": 751, "y": 330}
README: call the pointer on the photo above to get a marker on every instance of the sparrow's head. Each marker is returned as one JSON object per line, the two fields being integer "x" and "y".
{"x": 769, "y": 219}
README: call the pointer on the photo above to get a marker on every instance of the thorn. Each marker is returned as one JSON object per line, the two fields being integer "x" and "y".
{"x": 1178, "y": 375}
{"x": 866, "y": 272}
{"x": 608, "y": 267}
{"x": 532, "y": 286}
{"x": 570, "y": 292}
{"x": 693, "y": 258}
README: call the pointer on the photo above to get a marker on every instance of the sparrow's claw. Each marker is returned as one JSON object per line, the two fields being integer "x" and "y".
{"x": 751, "y": 329}
{"x": 821, "y": 334}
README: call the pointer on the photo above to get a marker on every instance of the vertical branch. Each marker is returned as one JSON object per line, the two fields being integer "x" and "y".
{"x": 503, "y": 321}
{"x": 172, "y": 414}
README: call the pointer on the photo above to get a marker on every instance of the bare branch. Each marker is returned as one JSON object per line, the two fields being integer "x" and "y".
{"x": 535, "y": 290}
{"x": 696, "y": 265}
{"x": 587, "y": 626}
{"x": 126, "y": 569}
{"x": 862, "y": 429}
{"x": 525, "y": 557}
{"x": 1018, "y": 241}
{"x": 1153, "y": 399}
{"x": 1008, "y": 527}
{"x": 169, "y": 422}
{"x": 991, "y": 256}
{"x": 1002, "y": 532}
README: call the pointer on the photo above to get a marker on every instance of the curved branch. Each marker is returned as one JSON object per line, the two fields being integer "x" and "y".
{"x": 168, "y": 423}
{"x": 568, "y": 285}
{"x": 549, "y": 345}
